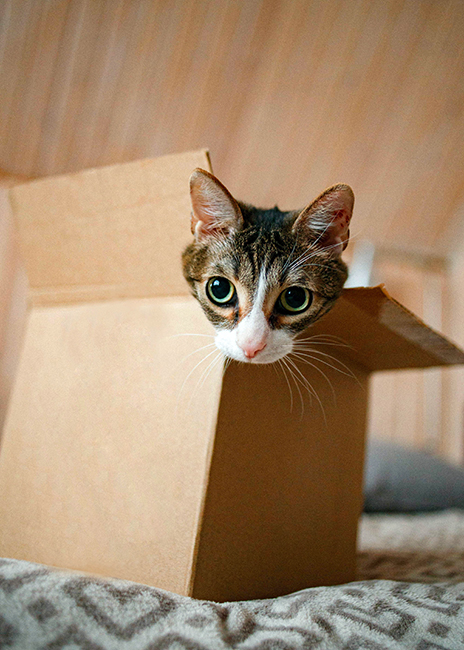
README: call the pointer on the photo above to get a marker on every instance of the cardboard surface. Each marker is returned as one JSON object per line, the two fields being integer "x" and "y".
{"x": 107, "y": 233}
{"x": 105, "y": 462}
{"x": 125, "y": 453}
{"x": 106, "y": 450}
{"x": 384, "y": 335}
{"x": 285, "y": 485}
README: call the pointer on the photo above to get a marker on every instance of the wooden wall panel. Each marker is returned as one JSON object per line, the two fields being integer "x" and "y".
{"x": 290, "y": 96}
{"x": 452, "y": 443}
{"x": 408, "y": 406}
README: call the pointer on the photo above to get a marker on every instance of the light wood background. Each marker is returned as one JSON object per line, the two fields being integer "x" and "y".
{"x": 290, "y": 96}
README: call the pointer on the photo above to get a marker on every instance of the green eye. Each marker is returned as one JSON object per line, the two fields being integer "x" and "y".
{"x": 220, "y": 291}
{"x": 295, "y": 300}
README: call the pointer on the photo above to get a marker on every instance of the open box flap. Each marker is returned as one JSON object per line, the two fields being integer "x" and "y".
{"x": 107, "y": 233}
{"x": 384, "y": 335}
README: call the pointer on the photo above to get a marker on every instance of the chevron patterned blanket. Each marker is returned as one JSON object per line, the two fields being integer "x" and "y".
{"x": 49, "y": 609}
{"x": 421, "y": 608}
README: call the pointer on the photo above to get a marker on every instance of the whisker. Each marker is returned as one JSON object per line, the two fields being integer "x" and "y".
{"x": 309, "y": 254}
{"x": 322, "y": 266}
{"x": 203, "y": 377}
{"x": 300, "y": 256}
{"x": 353, "y": 235}
{"x": 203, "y": 347}
{"x": 285, "y": 266}
{"x": 320, "y": 337}
{"x": 227, "y": 362}
{"x": 347, "y": 372}
{"x": 309, "y": 388}
{"x": 190, "y": 373}
{"x": 314, "y": 249}
{"x": 326, "y": 339}
{"x": 305, "y": 255}
{"x": 174, "y": 336}
{"x": 336, "y": 359}
{"x": 300, "y": 345}
{"x": 323, "y": 232}
{"x": 292, "y": 375}
{"x": 304, "y": 360}
{"x": 307, "y": 353}
{"x": 281, "y": 365}
{"x": 322, "y": 249}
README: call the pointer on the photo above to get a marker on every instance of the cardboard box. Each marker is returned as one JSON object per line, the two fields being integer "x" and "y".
{"x": 124, "y": 454}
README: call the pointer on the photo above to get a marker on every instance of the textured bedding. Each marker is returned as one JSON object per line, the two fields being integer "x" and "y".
{"x": 416, "y": 548}
{"x": 45, "y": 608}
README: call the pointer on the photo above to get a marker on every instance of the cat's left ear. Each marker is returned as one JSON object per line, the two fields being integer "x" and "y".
{"x": 214, "y": 209}
{"x": 327, "y": 219}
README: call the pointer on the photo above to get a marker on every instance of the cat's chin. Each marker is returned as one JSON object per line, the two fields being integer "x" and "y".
{"x": 280, "y": 345}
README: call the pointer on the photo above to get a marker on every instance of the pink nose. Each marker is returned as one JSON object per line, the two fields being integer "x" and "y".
{"x": 252, "y": 349}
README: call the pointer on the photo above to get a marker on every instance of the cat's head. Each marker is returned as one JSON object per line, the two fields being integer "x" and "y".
{"x": 262, "y": 276}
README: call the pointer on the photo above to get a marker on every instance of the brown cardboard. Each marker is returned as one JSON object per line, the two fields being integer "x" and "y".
{"x": 13, "y": 297}
{"x": 101, "y": 469}
{"x": 285, "y": 487}
{"x": 125, "y": 454}
{"x": 106, "y": 233}
{"x": 381, "y": 334}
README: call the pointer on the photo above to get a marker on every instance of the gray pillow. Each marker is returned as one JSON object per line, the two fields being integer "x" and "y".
{"x": 397, "y": 479}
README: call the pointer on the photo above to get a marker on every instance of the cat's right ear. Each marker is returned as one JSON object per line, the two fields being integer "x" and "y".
{"x": 215, "y": 212}
{"x": 327, "y": 219}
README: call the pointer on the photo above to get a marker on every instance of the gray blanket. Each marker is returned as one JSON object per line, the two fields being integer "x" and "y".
{"x": 49, "y": 609}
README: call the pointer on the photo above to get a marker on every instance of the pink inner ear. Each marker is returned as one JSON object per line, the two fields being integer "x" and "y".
{"x": 335, "y": 234}
{"x": 341, "y": 220}
{"x": 338, "y": 232}
{"x": 215, "y": 211}
{"x": 329, "y": 216}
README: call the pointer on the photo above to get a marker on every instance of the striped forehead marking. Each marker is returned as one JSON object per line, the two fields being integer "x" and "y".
{"x": 261, "y": 288}
{"x": 252, "y": 299}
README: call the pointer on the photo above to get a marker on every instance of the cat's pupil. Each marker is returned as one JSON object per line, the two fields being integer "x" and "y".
{"x": 295, "y": 299}
{"x": 220, "y": 290}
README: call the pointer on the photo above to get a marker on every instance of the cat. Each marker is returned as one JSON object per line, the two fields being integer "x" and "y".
{"x": 262, "y": 276}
